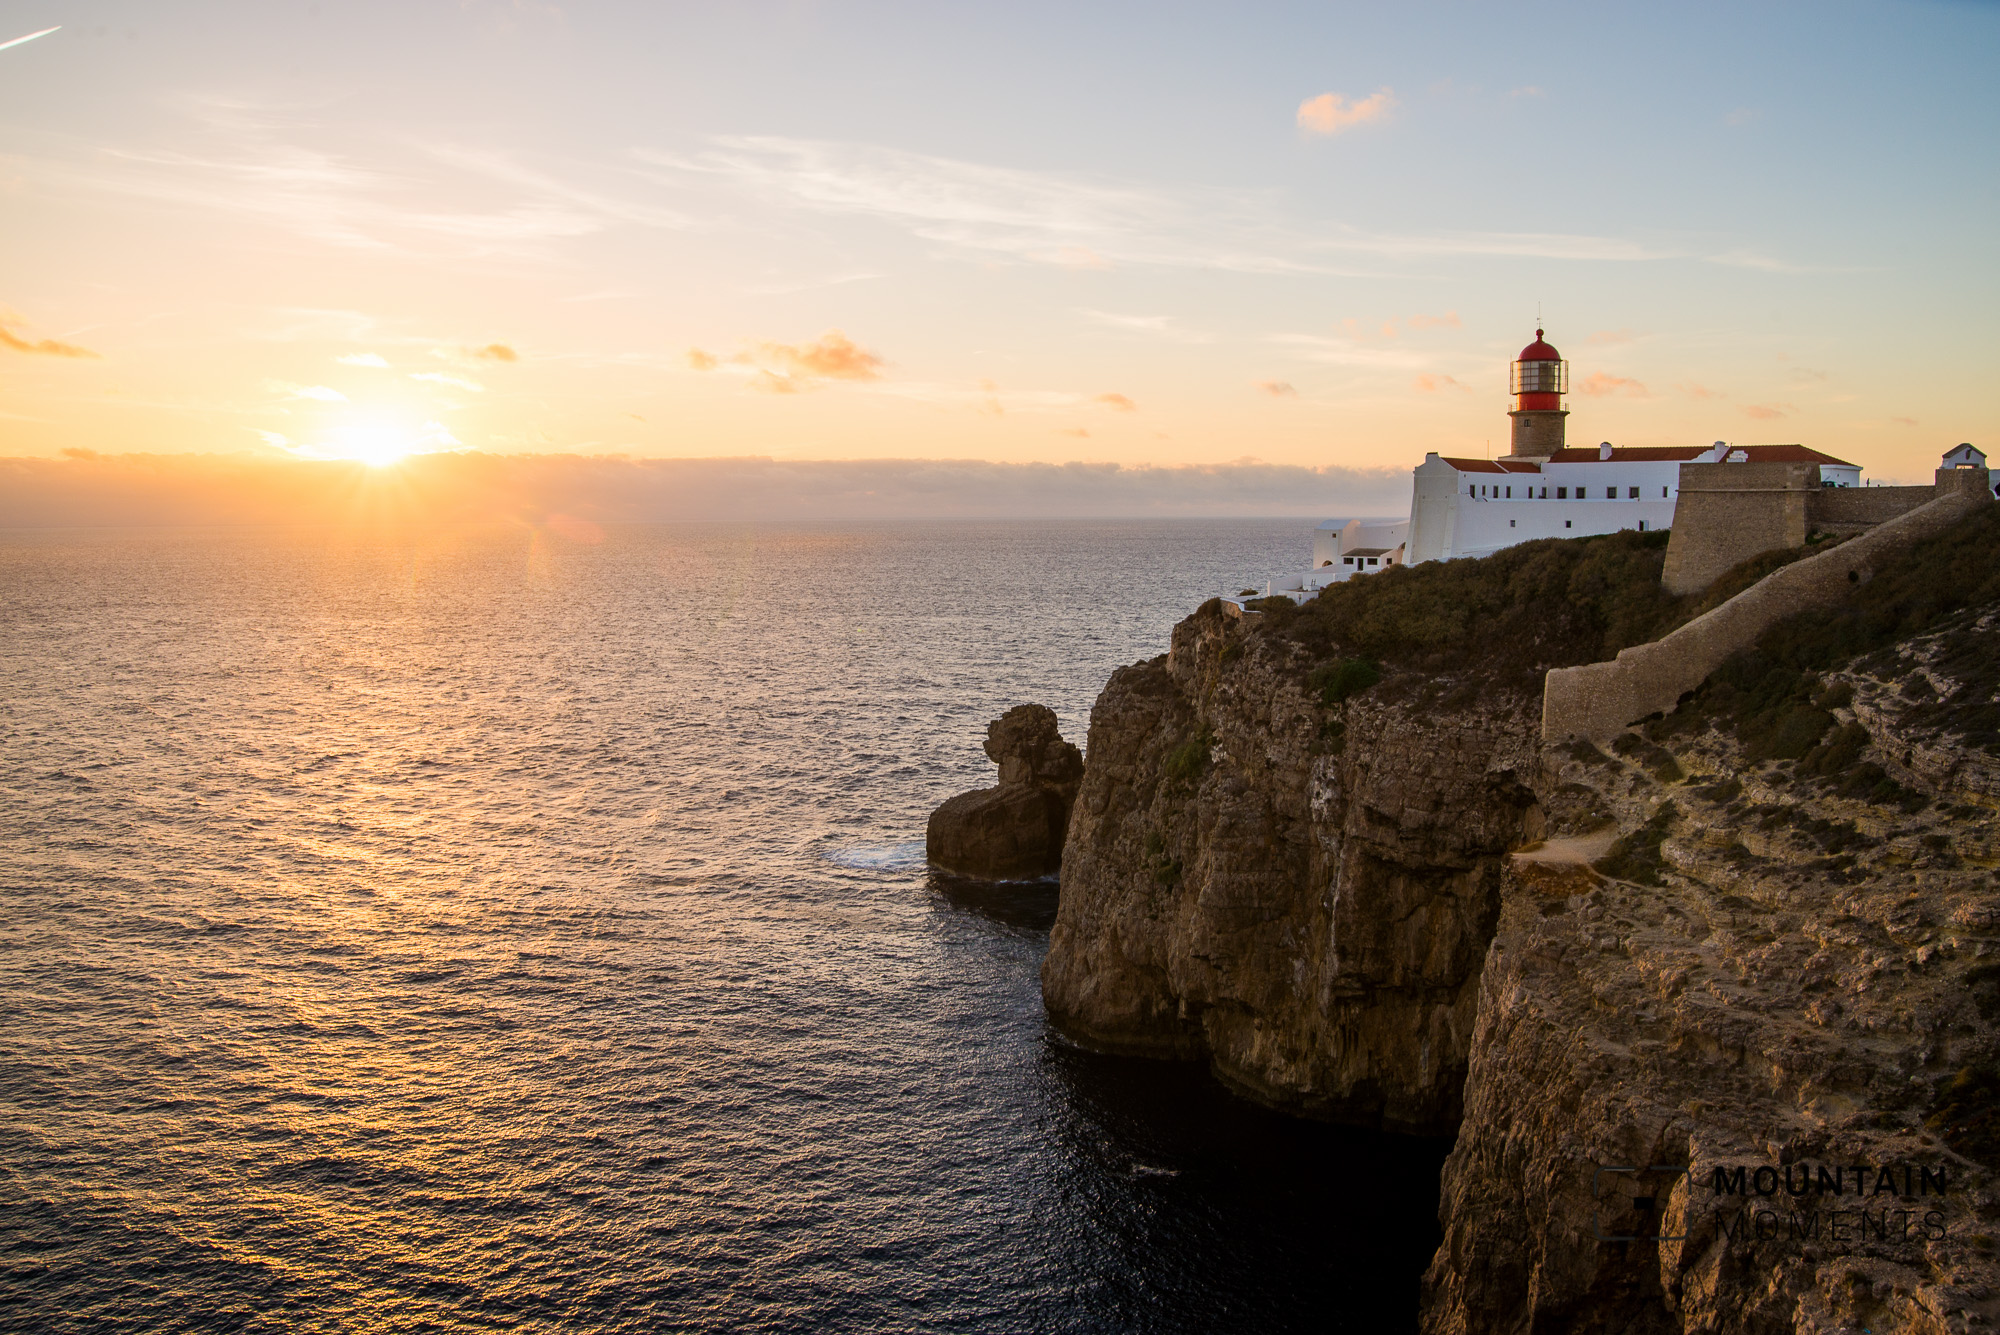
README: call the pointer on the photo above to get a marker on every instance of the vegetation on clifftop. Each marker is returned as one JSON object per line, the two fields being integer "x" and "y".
{"x": 1775, "y": 701}
{"x": 1514, "y": 614}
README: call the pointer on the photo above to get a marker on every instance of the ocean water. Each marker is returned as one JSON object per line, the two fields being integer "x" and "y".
{"x": 528, "y": 930}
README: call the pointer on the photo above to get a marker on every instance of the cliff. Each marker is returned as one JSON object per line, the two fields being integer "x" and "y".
{"x": 1753, "y": 933}
{"x": 1302, "y": 895}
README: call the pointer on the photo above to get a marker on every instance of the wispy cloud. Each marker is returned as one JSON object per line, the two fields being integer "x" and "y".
{"x": 1603, "y": 385}
{"x": 1348, "y": 352}
{"x": 264, "y": 162}
{"x": 1610, "y": 338}
{"x": 1070, "y": 219}
{"x": 40, "y": 347}
{"x": 1767, "y": 412}
{"x": 1330, "y": 113}
{"x": 496, "y": 352}
{"x": 1277, "y": 389}
{"x": 1431, "y": 383}
{"x": 1698, "y": 391}
{"x": 1115, "y": 402}
{"x": 1153, "y": 326}
{"x": 1449, "y": 320}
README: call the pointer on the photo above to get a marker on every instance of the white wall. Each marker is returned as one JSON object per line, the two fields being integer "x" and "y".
{"x": 1485, "y": 527}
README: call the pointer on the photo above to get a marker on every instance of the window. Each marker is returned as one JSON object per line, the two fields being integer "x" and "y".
{"x": 1663, "y": 493}
{"x": 1510, "y": 523}
{"x": 1371, "y": 560}
{"x": 1510, "y": 493}
{"x": 1545, "y": 493}
{"x": 1567, "y": 524}
{"x": 1562, "y": 493}
{"x": 1642, "y": 526}
{"x": 1347, "y": 560}
{"x": 1631, "y": 493}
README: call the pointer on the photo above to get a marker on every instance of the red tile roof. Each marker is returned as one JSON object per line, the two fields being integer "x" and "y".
{"x": 1492, "y": 466}
{"x": 1636, "y": 455}
{"x": 1761, "y": 454}
{"x": 1786, "y": 454}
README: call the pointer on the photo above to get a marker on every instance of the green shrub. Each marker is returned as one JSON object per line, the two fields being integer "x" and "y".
{"x": 1185, "y": 762}
{"x": 1343, "y": 677}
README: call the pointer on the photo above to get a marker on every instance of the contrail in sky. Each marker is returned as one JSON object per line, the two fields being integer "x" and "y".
{"x": 29, "y": 38}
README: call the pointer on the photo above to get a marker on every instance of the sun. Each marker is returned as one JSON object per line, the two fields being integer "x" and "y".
{"x": 377, "y": 444}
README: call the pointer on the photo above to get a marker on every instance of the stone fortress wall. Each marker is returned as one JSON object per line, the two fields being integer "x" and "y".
{"x": 1598, "y": 700}
{"x": 1728, "y": 513}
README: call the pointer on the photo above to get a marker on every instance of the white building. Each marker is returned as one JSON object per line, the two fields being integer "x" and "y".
{"x": 1474, "y": 507}
{"x": 1542, "y": 489}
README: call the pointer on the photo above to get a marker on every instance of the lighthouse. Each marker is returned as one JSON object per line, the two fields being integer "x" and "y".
{"x": 1540, "y": 379}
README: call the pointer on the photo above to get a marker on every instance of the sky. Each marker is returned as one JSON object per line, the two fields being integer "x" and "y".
{"x": 1295, "y": 237}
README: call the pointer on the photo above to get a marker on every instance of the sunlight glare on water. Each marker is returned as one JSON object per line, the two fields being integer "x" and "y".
{"x": 481, "y": 929}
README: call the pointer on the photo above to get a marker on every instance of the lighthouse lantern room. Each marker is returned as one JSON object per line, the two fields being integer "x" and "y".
{"x": 1539, "y": 381}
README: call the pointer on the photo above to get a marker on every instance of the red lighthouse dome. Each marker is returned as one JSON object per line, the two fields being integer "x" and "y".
{"x": 1541, "y": 377}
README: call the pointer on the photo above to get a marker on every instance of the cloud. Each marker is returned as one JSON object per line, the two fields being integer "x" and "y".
{"x": 318, "y": 393}
{"x": 1765, "y": 412}
{"x": 833, "y": 356}
{"x": 787, "y": 368}
{"x": 46, "y": 347}
{"x": 496, "y": 352}
{"x": 1904, "y": 421}
{"x": 1155, "y": 326}
{"x": 532, "y": 489}
{"x": 1076, "y": 431}
{"x": 1610, "y": 338}
{"x": 1695, "y": 391}
{"x": 985, "y": 212}
{"x": 361, "y": 359}
{"x": 1449, "y": 320}
{"x": 1805, "y": 375}
{"x": 1277, "y": 389}
{"x": 1330, "y": 113}
{"x": 1526, "y": 90}
{"x": 1429, "y": 383}
{"x": 262, "y": 162}
{"x": 1116, "y": 402}
{"x": 1348, "y": 352}
{"x": 1600, "y": 385}
{"x": 455, "y": 381}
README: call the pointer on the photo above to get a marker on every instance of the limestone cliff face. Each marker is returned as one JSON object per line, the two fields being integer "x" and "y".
{"x": 1302, "y": 894}
{"x": 1404, "y": 910}
{"x": 1808, "y": 979}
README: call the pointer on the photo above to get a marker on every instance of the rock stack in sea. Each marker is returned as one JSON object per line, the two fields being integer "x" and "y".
{"x": 1014, "y": 831}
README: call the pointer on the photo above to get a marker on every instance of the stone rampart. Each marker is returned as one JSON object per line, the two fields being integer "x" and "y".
{"x": 1844, "y": 510}
{"x": 1597, "y": 700}
{"x": 1728, "y": 513}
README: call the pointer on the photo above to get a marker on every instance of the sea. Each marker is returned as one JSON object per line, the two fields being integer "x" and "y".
{"x": 527, "y": 928}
